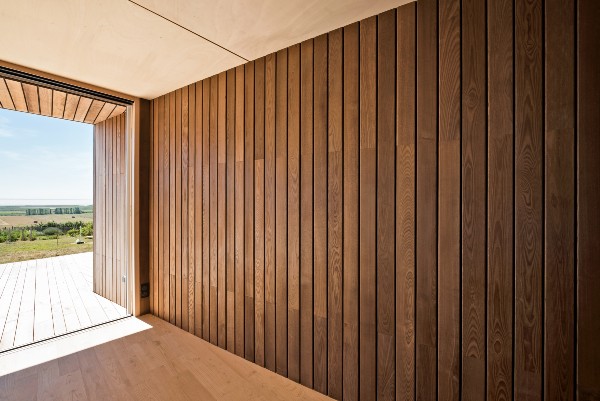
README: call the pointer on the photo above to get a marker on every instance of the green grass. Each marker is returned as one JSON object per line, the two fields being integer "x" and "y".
{"x": 41, "y": 248}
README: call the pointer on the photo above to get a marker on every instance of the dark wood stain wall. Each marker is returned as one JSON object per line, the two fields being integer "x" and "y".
{"x": 110, "y": 219}
{"x": 404, "y": 208}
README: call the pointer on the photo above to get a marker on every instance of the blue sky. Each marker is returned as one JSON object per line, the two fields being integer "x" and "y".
{"x": 44, "y": 160}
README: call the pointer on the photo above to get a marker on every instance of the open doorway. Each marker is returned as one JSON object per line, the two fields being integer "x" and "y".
{"x": 63, "y": 236}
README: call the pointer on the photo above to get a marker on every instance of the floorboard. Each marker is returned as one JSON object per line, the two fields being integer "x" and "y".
{"x": 43, "y": 298}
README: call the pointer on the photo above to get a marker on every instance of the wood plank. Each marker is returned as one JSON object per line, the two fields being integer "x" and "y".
{"x": 259, "y": 211}
{"x": 172, "y": 208}
{"x": 82, "y": 108}
{"x": 293, "y": 243}
{"x": 16, "y": 93}
{"x": 163, "y": 116}
{"x": 178, "y": 209}
{"x": 185, "y": 188}
{"x": 230, "y": 218}
{"x": 10, "y": 302}
{"x": 106, "y": 111}
{"x": 93, "y": 112}
{"x": 367, "y": 213}
{"x": 306, "y": 213}
{"x": 221, "y": 211}
{"x": 405, "y": 202}
{"x": 32, "y": 98}
{"x": 449, "y": 180}
{"x": 350, "y": 247}
{"x": 213, "y": 108}
{"x": 334, "y": 215}
{"x": 43, "y": 326}
{"x": 426, "y": 236}
{"x": 320, "y": 213}
{"x": 5, "y": 97}
{"x": 70, "y": 106}
{"x": 270, "y": 194}
{"x": 239, "y": 212}
{"x": 281, "y": 213}
{"x": 528, "y": 200}
{"x": 474, "y": 181}
{"x": 500, "y": 200}
{"x": 198, "y": 201}
{"x": 117, "y": 110}
{"x": 66, "y": 299}
{"x": 58, "y": 103}
{"x": 559, "y": 200}
{"x": 386, "y": 244}
{"x": 45, "y": 96}
{"x": 206, "y": 209}
{"x": 24, "y": 333}
{"x": 248, "y": 214}
{"x": 588, "y": 195}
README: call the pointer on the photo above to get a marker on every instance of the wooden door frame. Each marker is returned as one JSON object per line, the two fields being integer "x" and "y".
{"x": 134, "y": 121}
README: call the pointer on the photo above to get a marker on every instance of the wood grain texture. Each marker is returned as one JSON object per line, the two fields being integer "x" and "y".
{"x": 213, "y": 208}
{"x": 386, "y": 191}
{"x": 559, "y": 200}
{"x": 368, "y": 210}
{"x": 528, "y": 200}
{"x": 405, "y": 202}
{"x": 474, "y": 184}
{"x": 320, "y": 213}
{"x": 230, "y": 212}
{"x": 306, "y": 214}
{"x": 588, "y": 195}
{"x": 109, "y": 154}
{"x": 206, "y": 313}
{"x": 334, "y": 215}
{"x": 249, "y": 215}
{"x": 500, "y": 201}
{"x": 426, "y": 236}
{"x": 32, "y": 98}
{"x": 350, "y": 212}
{"x": 259, "y": 212}
{"x": 221, "y": 210}
{"x": 281, "y": 213}
{"x": 293, "y": 212}
{"x": 401, "y": 209}
{"x": 270, "y": 196}
{"x": 239, "y": 212}
{"x": 449, "y": 179}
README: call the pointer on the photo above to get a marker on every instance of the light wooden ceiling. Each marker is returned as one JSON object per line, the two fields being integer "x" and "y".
{"x": 26, "y": 97}
{"x": 147, "y": 48}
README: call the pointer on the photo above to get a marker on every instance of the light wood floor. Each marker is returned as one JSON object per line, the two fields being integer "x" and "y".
{"x": 161, "y": 363}
{"x": 44, "y": 298}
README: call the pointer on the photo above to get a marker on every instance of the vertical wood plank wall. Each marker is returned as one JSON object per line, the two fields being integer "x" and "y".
{"x": 403, "y": 208}
{"x": 110, "y": 209}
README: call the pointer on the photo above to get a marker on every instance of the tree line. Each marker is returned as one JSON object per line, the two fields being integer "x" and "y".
{"x": 59, "y": 210}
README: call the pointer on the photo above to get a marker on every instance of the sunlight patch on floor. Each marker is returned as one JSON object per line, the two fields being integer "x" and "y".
{"x": 38, "y": 353}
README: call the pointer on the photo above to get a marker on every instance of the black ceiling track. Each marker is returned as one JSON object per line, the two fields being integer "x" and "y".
{"x": 61, "y": 86}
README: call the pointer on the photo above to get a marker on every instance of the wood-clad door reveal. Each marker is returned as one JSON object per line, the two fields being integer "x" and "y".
{"x": 25, "y": 92}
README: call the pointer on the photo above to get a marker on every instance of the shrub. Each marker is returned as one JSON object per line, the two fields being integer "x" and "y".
{"x": 52, "y": 231}
{"x": 87, "y": 229}
{"x": 73, "y": 232}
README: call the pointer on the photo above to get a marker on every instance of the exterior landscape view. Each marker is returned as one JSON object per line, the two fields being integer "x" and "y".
{"x": 41, "y": 231}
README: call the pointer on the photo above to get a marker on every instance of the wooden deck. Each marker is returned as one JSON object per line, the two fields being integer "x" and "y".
{"x": 44, "y": 298}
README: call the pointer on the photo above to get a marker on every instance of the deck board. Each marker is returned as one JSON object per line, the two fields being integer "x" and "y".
{"x": 44, "y": 298}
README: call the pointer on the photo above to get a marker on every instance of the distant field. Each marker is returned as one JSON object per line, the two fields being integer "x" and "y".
{"x": 14, "y": 216}
{"x": 25, "y": 221}
{"x": 40, "y": 248}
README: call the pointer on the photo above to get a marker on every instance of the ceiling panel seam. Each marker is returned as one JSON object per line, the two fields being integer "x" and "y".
{"x": 189, "y": 30}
